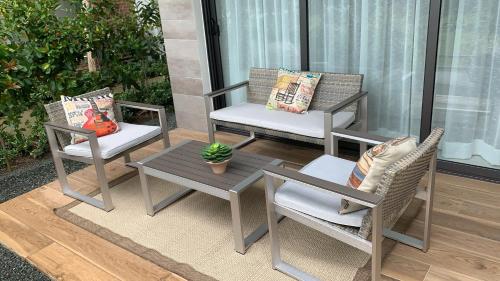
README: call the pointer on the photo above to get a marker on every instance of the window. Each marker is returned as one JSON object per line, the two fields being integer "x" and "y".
{"x": 259, "y": 33}
{"x": 467, "y": 91}
{"x": 383, "y": 40}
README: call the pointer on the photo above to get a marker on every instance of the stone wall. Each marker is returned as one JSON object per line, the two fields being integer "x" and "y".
{"x": 185, "y": 46}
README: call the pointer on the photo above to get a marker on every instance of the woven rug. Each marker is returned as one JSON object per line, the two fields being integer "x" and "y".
{"x": 193, "y": 237}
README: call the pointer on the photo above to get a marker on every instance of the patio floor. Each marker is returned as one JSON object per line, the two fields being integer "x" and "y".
{"x": 465, "y": 239}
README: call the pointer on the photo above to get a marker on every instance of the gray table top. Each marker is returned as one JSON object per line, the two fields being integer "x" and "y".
{"x": 185, "y": 161}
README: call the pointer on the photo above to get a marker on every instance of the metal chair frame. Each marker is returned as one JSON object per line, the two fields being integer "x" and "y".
{"x": 58, "y": 154}
{"x": 276, "y": 211}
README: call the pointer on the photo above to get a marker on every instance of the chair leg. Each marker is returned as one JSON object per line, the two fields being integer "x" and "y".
{"x": 328, "y": 126}
{"x": 103, "y": 183}
{"x": 272, "y": 221}
{"x": 429, "y": 202}
{"x": 127, "y": 158}
{"x": 363, "y": 116}
{"x": 377, "y": 243}
{"x": 106, "y": 204}
{"x": 211, "y": 132}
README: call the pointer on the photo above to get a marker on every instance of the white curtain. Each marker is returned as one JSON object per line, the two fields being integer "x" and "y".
{"x": 257, "y": 33}
{"x": 385, "y": 41}
{"x": 467, "y": 101}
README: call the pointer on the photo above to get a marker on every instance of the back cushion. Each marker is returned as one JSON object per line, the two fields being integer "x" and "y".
{"x": 331, "y": 89}
{"x": 293, "y": 91}
{"x": 94, "y": 113}
{"x": 371, "y": 166}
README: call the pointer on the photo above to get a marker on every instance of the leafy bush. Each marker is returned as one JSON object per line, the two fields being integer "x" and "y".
{"x": 39, "y": 57}
{"x": 158, "y": 92}
{"x": 42, "y": 57}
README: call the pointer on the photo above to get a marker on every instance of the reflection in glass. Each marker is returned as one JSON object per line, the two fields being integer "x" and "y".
{"x": 467, "y": 94}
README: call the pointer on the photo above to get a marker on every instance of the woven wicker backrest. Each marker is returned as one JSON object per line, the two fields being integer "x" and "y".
{"x": 331, "y": 89}
{"x": 399, "y": 182}
{"x": 56, "y": 114}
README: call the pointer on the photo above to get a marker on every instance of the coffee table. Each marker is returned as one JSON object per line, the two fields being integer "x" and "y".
{"x": 182, "y": 164}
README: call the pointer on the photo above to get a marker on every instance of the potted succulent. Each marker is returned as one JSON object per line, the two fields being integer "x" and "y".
{"x": 217, "y": 155}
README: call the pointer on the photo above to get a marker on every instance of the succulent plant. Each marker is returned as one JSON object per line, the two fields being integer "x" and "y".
{"x": 216, "y": 152}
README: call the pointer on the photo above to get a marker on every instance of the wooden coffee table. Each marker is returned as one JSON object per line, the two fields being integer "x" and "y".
{"x": 182, "y": 164}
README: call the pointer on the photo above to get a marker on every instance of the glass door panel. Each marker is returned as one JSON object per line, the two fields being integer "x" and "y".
{"x": 257, "y": 33}
{"x": 467, "y": 91}
{"x": 385, "y": 41}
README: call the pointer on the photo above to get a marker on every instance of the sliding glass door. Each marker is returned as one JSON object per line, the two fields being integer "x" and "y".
{"x": 467, "y": 91}
{"x": 418, "y": 75}
{"x": 385, "y": 41}
{"x": 257, "y": 33}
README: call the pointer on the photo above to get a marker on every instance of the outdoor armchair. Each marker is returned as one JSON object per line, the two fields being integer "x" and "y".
{"x": 338, "y": 102}
{"x": 312, "y": 197}
{"x": 99, "y": 151}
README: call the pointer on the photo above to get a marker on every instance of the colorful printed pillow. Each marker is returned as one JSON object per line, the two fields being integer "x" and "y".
{"x": 90, "y": 113}
{"x": 293, "y": 91}
{"x": 371, "y": 166}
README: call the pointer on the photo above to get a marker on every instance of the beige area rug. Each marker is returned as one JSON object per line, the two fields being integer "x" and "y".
{"x": 193, "y": 237}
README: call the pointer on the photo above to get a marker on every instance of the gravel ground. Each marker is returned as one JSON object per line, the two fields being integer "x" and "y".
{"x": 24, "y": 179}
{"x": 15, "y": 268}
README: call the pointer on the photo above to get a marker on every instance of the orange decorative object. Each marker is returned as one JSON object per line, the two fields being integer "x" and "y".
{"x": 99, "y": 122}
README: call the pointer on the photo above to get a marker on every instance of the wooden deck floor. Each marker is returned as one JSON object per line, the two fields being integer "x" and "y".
{"x": 465, "y": 238}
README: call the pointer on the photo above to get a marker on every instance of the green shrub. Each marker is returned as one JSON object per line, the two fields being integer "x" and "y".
{"x": 158, "y": 93}
{"x": 41, "y": 56}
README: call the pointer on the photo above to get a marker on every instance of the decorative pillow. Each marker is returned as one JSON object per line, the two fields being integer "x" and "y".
{"x": 293, "y": 91}
{"x": 371, "y": 166}
{"x": 90, "y": 113}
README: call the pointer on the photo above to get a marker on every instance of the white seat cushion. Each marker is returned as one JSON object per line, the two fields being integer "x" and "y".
{"x": 307, "y": 124}
{"x": 318, "y": 203}
{"x": 128, "y": 136}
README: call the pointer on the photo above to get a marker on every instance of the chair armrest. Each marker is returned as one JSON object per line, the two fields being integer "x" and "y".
{"x": 359, "y": 136}
{"x": 345, "y": 103}
{"x": 138, "y": 105}
{"x": 162, "y": 117}
{"x": 364, "y": 198}
{"x": 227, "y": 89}
{"x": 69, "y": 129}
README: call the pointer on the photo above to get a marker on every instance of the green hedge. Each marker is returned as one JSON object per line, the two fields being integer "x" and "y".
{"x": 42, "y": 57}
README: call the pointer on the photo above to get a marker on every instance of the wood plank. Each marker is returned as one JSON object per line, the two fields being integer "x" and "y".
{"x": 401, "y": 268}
{"x": 441, "y": 274}
{"x": 19, "y": 237}
{"x": 468, "y": 183}
{"x": 106, "y": 255}
{"x": 62, "y": 264}
{"x": 477, "y": 245}
{"x": 489, "y": 215}
{"x": 454, "y": 259}
{"x": 468, "y": 194}
{"x": 464, "y": 224}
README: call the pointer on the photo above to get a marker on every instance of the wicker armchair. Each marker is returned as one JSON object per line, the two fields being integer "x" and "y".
{"x": 99, "y": 151}
{"x": 323, "y": 190}
{"x": 337, "y": 102}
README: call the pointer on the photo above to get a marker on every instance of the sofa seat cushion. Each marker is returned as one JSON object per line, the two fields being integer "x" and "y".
{"x": 320, "y": 203}
{"x": 110, "y": 145}
{"x": 307, "y": 124}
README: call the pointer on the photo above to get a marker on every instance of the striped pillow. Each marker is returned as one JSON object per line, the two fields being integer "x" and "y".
{"x": 371, "y": 166}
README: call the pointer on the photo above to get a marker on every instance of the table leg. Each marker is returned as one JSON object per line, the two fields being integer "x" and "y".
{"x": 146, "y": 194}
{"x": 239, "y": 240}
{"x": 242, "y": 243}
{"x": 151, "y": 208}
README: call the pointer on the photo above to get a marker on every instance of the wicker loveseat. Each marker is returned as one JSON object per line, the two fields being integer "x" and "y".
{"x": 338, "y": 102}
